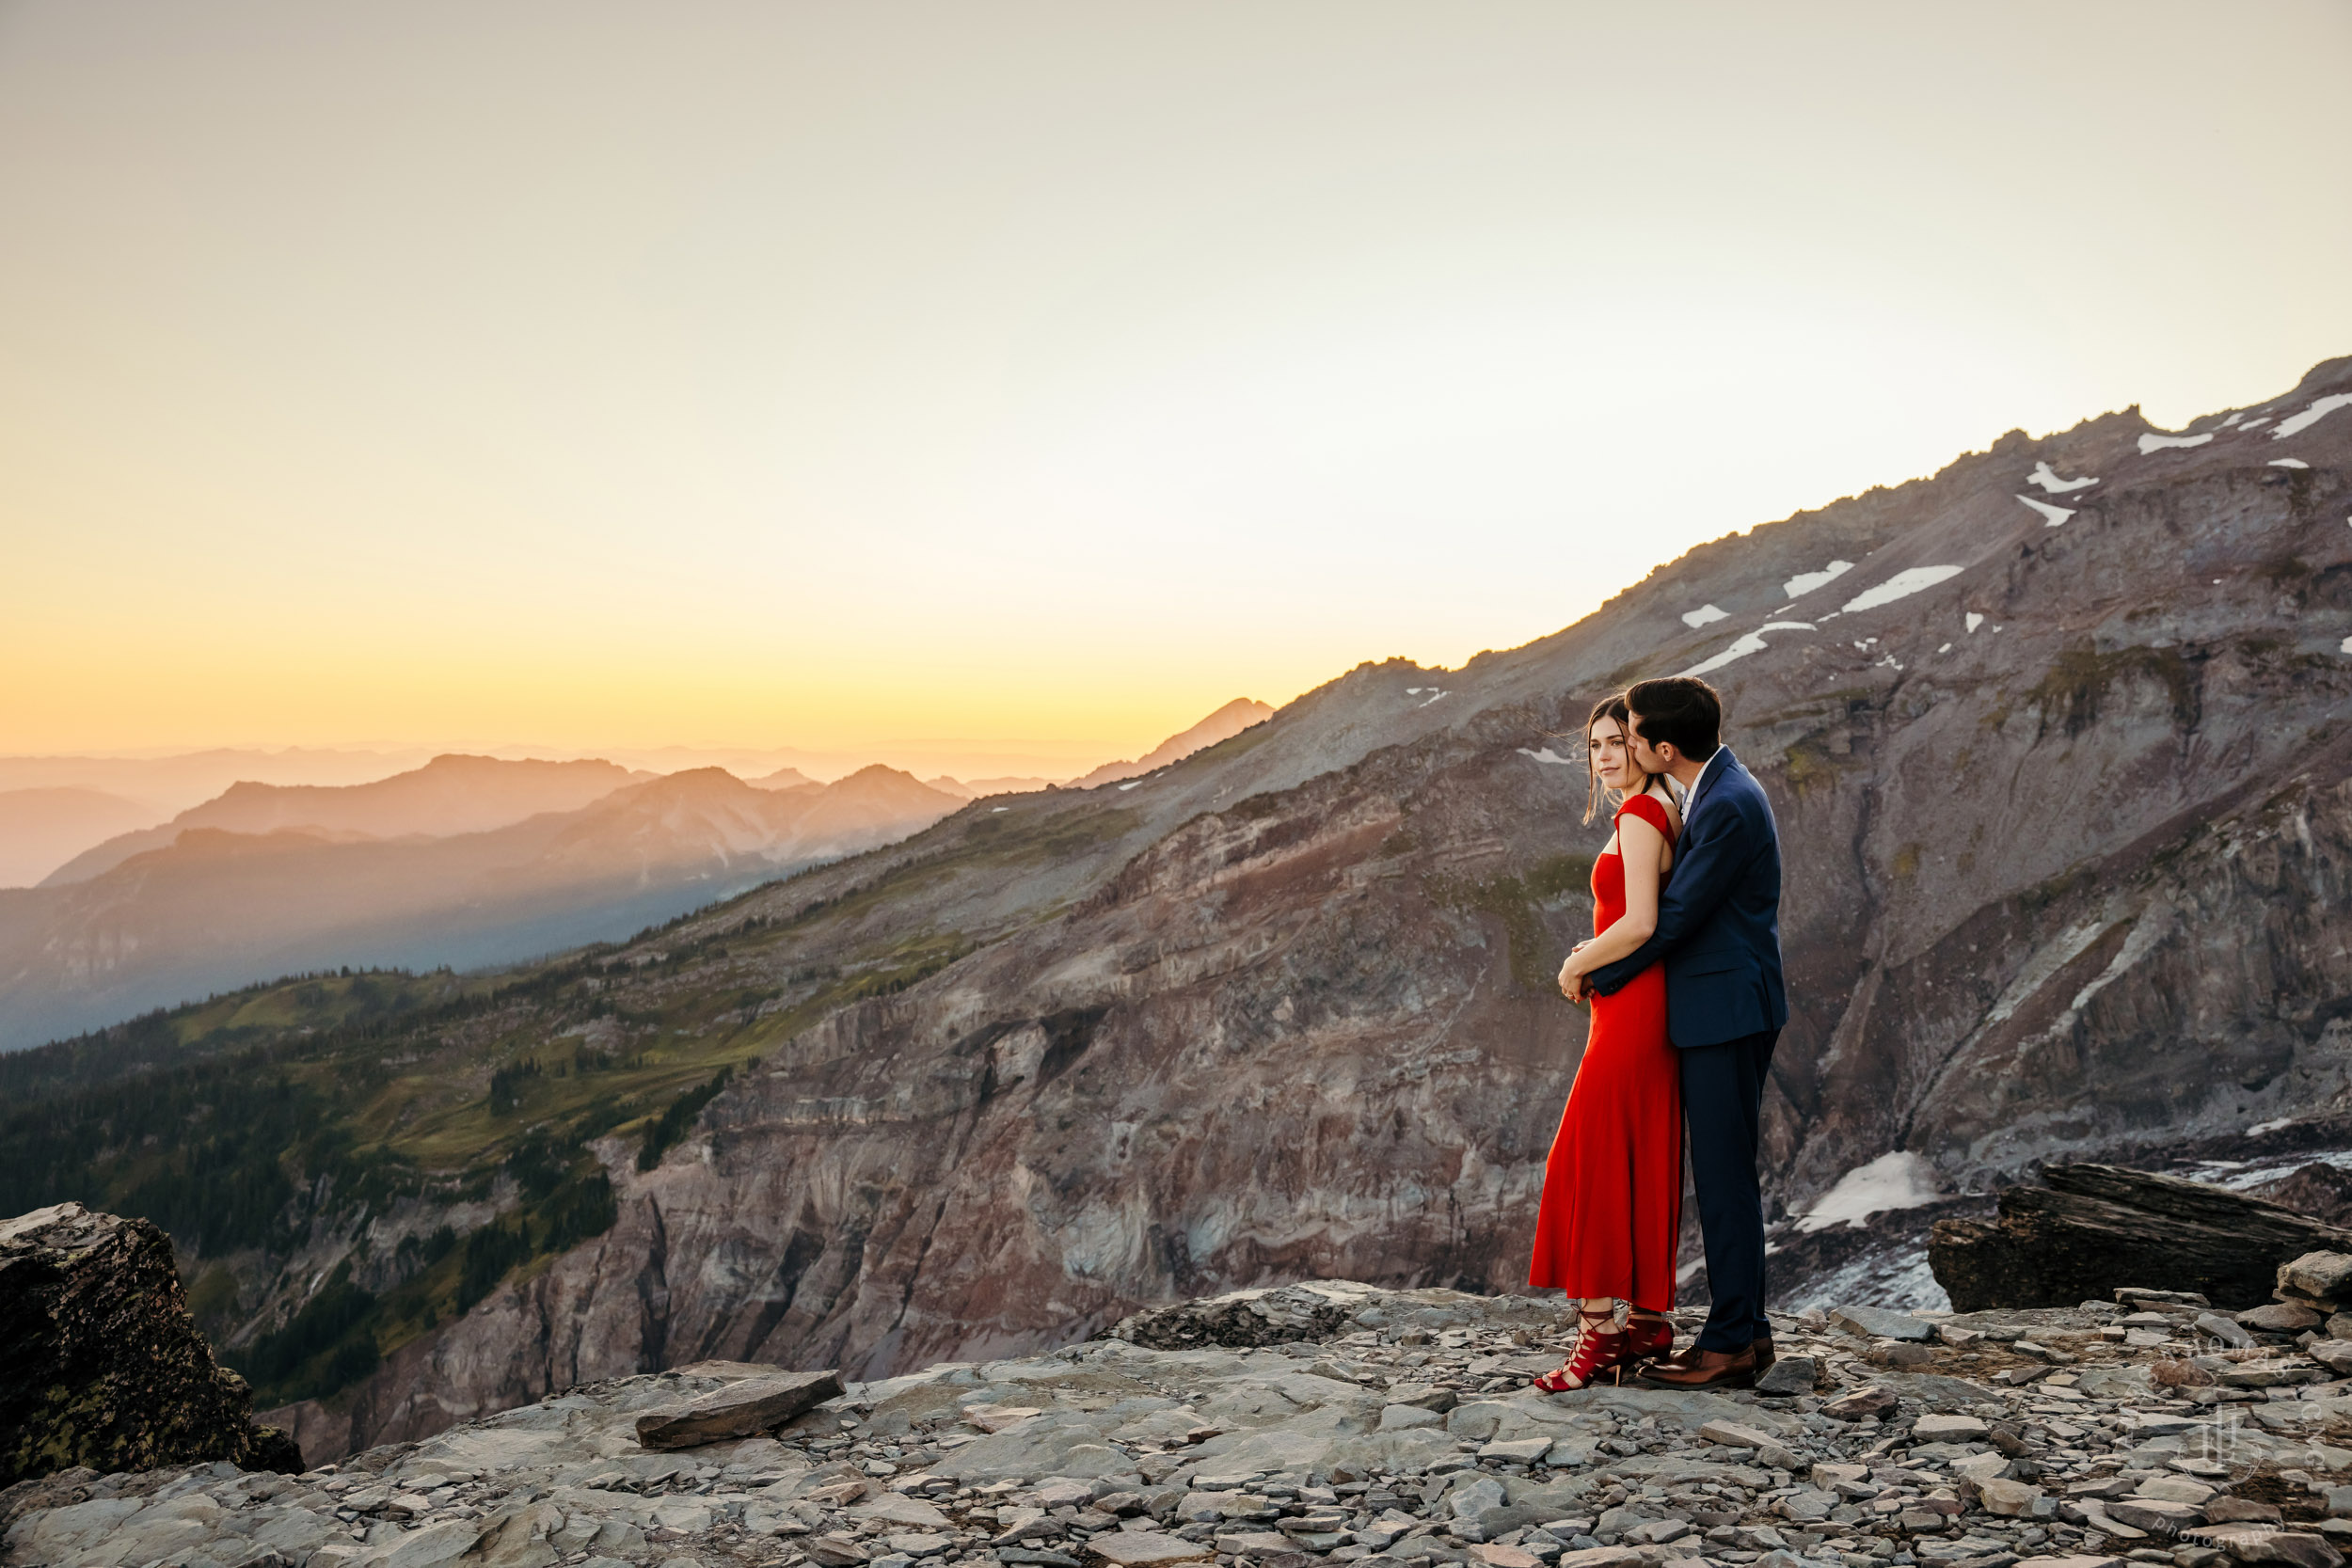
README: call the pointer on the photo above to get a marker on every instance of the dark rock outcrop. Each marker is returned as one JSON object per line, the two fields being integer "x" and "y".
{"x": 104, "y": 1366}
{"x": 2097, "y": 1228}
{"x": 1243, "y": 1320}
{"x": 2320, "y": 1190}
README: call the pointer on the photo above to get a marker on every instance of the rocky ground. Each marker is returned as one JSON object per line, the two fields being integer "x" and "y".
{"x": 1337, "y": 1421}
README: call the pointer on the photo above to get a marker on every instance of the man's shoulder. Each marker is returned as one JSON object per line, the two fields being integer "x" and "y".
{"x": 1740, "y": 798}
{"x": 1740, "y": 784}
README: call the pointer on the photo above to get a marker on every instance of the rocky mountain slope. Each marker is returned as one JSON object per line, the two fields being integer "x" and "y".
{"x": 1225, "y": 724}
{"x": 1360, "y": 1425}
{"x": 310, "y": 880}
{"x": 2056, "y": 741}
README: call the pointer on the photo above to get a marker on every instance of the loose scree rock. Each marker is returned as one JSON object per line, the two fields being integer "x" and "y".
{"x": 2068, "y": 1437}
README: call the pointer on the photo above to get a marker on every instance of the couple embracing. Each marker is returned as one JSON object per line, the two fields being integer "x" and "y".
{"x": 1683, "y": 977}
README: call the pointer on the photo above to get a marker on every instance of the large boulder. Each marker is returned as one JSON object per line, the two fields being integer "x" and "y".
{"x": 2095, "y": 1228}
{"x": 104, "y": 1367}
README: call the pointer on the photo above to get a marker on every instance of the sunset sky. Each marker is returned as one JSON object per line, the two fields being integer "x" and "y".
{"x": 1040, "y": 376}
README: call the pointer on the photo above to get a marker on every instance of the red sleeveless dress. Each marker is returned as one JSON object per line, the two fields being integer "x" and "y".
{"x": 1613, "y": 1187}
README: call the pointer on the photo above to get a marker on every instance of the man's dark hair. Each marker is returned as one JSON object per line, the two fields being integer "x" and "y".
{"x": 1681, "y": 711}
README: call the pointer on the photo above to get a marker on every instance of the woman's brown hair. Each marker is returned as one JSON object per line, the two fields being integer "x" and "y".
{"x": 1608, "y": 707}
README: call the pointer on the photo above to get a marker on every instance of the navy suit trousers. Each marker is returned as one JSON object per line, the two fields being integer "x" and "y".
{"x": 1723, "y": 1104}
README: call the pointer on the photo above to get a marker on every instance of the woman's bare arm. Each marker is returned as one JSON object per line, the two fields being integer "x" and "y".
{"x": 1642, "y": 848}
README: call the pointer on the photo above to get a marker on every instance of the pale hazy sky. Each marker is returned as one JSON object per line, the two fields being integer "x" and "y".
{"x": 1047, "y": 374}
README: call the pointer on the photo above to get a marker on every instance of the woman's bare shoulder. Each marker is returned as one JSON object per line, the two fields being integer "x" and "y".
{"x": 1662, "y": 801}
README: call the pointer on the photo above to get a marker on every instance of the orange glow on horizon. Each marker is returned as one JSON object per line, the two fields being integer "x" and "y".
{"x": 912, "y": 380}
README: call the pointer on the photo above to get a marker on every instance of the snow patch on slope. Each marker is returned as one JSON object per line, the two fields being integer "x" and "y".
{"x": 1704, "y": 616}
{"x": 1900, "y": 586}
{"x": 2050, "y": 516}
{"x": 1805, "y": 582}
{"x": 2158, "y": 443}
{"x": 1896, "y": 1180}
{"x": 2310, "y": 417}
{"x": 2048, "y": 478}
{"x": 1753, "y": 643}
{"x": 1900, "y": 1277}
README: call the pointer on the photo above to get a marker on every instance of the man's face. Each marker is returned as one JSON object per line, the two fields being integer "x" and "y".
{"x": 1652, "y": 759}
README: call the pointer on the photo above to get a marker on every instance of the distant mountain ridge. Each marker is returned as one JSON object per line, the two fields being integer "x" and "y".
{"x": 450, "y": 794}
{"x": 176, "y": 781}
{"x": 462, "y": 862}
{"x": 44, "y": 827}
{"x": 216, "y": 907}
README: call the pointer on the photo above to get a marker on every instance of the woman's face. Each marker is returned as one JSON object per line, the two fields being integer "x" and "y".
{"x": 1610, "y": 764}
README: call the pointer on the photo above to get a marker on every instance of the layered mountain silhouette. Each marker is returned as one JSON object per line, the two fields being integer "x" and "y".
{"x": 268, "y": 880}
{"x": 463, "y": 862}
{"x": 41, "y": 828}
{"x": 449, "y": 795}
{"x": 175, "y": 782}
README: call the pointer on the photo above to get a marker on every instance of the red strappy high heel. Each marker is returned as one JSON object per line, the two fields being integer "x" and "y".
{"x": 1651, "y": 1337}
{"x": 1595, "y": 1352}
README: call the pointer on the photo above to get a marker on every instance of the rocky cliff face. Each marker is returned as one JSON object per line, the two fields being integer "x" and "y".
{"x": 2057, "y": 744}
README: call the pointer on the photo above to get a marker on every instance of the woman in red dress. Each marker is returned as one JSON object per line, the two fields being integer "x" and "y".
{"x": 1613, "y": 1187}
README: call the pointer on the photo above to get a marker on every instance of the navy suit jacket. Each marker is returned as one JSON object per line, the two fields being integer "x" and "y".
{"x": 1718, "y": 918}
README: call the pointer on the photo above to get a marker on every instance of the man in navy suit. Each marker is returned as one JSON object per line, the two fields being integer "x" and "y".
{"x": 1719, "y": 935}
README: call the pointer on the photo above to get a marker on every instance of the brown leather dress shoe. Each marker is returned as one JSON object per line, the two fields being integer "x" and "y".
{"x": 1762, "y": 1346}
{"x": 1703, "y": 1369}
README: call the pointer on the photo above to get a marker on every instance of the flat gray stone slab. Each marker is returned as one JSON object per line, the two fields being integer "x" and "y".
{"x": 898, "y": 1510}
{"x": 1141, "y": 1548}
{"x": 1736, "y": 1435}
{"x": 1790, "y": 1374}
{"x": 1879, "y": 1323}
{"x": 1256, "y": 1543}
{"x": 741, "y": 1409}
